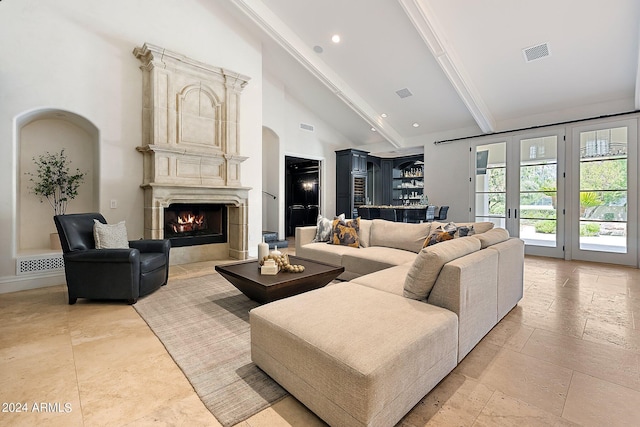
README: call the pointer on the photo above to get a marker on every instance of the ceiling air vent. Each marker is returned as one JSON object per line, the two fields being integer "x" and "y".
{"x": 404, "y": 93}
{"x": 306, "y": 127}
{"x": 536, "y": 52}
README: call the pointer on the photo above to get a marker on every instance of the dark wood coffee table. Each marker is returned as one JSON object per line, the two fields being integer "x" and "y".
{"x": 246, "y": 277}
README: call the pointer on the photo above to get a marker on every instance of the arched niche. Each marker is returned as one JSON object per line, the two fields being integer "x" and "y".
{"x": 52, "y": 130}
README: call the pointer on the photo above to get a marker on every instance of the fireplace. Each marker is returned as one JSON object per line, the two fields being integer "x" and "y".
{"x": 189, "y": 224}
{"x": 193, "y": 191}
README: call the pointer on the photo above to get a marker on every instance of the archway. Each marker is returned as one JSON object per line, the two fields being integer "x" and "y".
{"x": 270, "y": 180}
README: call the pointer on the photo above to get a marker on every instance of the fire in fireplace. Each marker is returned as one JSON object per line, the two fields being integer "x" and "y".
{"x": 187, "y": 221}
{"x": 195, "y": 224}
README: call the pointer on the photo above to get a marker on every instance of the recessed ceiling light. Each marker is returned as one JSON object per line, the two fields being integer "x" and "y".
{"x": 415, "y": 125}
{"x": 373, "y": 129}
{"x": 383, "y": 115}
{"x": 318, "y": 49}
{"x": 335, "y": 38}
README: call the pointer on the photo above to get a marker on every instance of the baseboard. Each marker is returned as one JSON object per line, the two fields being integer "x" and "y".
{"x": 30, "y": 281}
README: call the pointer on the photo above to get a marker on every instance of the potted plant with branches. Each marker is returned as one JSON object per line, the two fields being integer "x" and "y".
{"x": 54, "y": 181}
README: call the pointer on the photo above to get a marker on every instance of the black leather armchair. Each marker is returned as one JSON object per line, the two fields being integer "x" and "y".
{"x": 109, "y": 273}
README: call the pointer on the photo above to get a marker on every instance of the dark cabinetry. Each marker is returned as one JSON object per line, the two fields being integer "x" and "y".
{"x": 351, "y": 181}
{"x": 369, "y": 180}
{"x": 408, "y": 183}
{"x": 402, "y": 181}
{"x": 386, "y": 168}
{"x": 358, "y": 161}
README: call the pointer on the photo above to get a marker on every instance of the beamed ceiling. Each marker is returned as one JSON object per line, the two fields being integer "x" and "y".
{"x": 461, "y": 60}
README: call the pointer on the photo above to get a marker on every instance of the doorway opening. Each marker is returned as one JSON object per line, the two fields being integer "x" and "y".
{"x": 302, "y": 192}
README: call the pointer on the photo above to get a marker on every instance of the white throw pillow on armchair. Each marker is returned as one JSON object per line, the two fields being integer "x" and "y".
{"x": 110, "y": 236}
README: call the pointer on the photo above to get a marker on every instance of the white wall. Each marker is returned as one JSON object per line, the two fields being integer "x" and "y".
{"x": 446, "y": 178}
{"x": 75, "y": 55}
{"x": 283, "y": 114}
{"x": 446, "y": 171}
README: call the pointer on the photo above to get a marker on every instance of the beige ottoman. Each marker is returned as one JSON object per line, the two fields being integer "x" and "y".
{"x": 354, "y": 355}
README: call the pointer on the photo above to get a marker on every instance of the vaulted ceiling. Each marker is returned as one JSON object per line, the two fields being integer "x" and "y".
{"x": 463, "y": 63}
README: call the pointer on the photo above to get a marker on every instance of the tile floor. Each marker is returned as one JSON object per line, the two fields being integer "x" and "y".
{"x": 568, "y": 354}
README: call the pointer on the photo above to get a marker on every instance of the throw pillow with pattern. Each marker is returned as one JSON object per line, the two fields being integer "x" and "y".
{"x": 324, "y": 228}
{"x": 464, "y": 231}
{"x": 345, "y": 233}
{"x": 450, "y": 227}
{"x": 439, "y": 235}
{"x": 459, "y": 230}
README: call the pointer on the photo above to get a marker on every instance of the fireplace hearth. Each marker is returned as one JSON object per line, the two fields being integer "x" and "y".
{"x": 190, "y": 224}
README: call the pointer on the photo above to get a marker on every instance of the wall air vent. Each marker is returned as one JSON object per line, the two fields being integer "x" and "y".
{"x": 306, "y": 127}
{"x": 404, "y": 93}
{"x": 38, "y": 264}
{"x": 536, "y": 52}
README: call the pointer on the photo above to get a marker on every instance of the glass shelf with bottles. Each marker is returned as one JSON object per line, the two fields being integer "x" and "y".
{"x": 408, "y": 184}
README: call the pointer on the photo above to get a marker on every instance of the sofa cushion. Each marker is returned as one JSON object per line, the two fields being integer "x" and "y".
{"x": 425, "y": 269}
{"x": 510, "y": 273}
{"x": 345, "y": 233}
{"x": 399, "y": 235}
{"x": 354, "y": 355}
{"x": 468, "y": 287}
{"x": 321, "y": 251}
{"x": 375, "y": 258}
{"x": 364, "y": 232}
{"x": 389, "y": 280}
{"x": 492, "y": 237}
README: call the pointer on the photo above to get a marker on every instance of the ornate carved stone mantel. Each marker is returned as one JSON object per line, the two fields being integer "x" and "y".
{"x": 190, "y": 140}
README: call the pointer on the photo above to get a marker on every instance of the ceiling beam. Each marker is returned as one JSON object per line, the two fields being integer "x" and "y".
{"x": 266, "y": 20}
{"x": 425, "y": 22}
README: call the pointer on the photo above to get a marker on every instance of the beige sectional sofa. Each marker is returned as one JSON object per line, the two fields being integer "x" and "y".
{"x": 364, "y": 352}
{"x": 383, "y": 244}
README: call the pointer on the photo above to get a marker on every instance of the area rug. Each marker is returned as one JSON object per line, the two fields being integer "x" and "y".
{"x": 203, "y": 323}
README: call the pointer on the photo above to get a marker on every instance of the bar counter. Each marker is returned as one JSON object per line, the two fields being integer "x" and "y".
{"x": 400, "y": 213}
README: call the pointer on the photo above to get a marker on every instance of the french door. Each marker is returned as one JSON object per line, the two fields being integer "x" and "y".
{"x": 519, "y": 186}
{"x": 604, "y": 192}
{"x": 576, "y": 199}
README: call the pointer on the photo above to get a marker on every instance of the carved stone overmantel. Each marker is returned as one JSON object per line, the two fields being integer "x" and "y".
{"x": 190, "y": 112}
{"x": 191, "y": 140}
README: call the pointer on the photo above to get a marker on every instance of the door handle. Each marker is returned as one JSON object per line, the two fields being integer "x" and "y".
{"x": 508, "y": 213}
{"x": 515, "y": 213}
